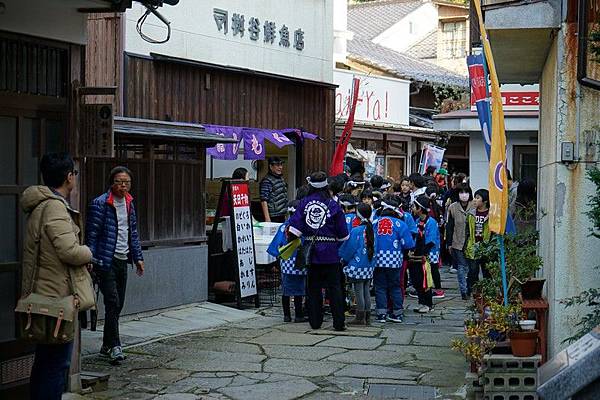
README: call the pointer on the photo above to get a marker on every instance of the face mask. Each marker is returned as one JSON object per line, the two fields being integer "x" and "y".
{"x": 463, "y": 197}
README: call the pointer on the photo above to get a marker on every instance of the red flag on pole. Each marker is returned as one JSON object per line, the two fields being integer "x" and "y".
{"x": 337, "y": 163}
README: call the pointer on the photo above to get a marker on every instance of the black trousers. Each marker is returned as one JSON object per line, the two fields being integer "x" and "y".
{"x": 113, "y": 283}
{"x": 435, "y": 274}
{"x": 415, "y": 269}
{"x": 285, "y": 301}
{"x": 325, "y": 276}
{"x": 473, "y": 275}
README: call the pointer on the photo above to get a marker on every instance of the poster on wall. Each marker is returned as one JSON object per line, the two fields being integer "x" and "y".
{"x": 375, "y": 164}
{"x": 431, "y": 156}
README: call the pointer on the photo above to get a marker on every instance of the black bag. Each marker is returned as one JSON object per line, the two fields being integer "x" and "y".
{"x": 304, "y": 254}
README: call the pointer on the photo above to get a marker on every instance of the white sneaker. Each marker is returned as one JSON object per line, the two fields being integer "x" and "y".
{"x": 416, "y": 308}
{"x": 423, "y": 309}
{"x": 453, "y": 270}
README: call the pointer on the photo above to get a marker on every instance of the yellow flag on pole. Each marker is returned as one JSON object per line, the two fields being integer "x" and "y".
{"x": 497, "y": 180}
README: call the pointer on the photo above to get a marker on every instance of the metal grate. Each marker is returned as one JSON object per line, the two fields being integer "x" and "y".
{"x": 268, "y": 281}
{"x": 16, "y": 369}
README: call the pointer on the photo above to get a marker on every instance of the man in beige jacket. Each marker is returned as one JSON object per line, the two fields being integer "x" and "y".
{"x": 52, "y": 219}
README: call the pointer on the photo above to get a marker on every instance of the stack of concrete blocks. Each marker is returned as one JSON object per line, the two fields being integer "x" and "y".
{"x": 506, "y": 377}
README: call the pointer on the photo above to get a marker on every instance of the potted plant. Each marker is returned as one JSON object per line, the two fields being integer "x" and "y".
{"x": 509, "y": 320}
{"x": 521, "y": 261}
{"x": 476, "y": 343}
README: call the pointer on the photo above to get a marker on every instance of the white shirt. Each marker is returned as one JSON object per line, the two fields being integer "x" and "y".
{"x": 122, "y": 247}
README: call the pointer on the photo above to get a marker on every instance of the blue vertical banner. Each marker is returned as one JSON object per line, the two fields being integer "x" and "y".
{"x": 478, "y": 79}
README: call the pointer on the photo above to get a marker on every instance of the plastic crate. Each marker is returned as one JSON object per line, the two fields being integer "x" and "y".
{"x": 510, "y": 363}
{"x": 509, "y": 382}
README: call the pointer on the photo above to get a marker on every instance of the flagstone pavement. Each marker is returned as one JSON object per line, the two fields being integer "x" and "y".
{"x": 257, "y": 356}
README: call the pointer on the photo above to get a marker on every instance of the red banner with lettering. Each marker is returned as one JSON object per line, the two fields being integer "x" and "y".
{"x": 337, "y": 163}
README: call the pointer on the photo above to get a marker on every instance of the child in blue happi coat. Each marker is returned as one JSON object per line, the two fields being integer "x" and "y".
{"x": 358, "y": 255}
{"x": 392, "y": 239}
{"x": 426, "y": 252}
{"x": 293, "y": 280}
{"x": 349, "y": 203}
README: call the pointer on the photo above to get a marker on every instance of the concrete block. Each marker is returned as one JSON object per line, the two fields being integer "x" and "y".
{"x": 509, "y": 381}
{"x": 511, "y": 396}
{"x": 510, "y": 363}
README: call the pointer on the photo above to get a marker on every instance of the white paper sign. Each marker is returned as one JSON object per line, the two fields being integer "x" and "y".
{"x": 244, "y": 240}
{"x": 380, "y": 100}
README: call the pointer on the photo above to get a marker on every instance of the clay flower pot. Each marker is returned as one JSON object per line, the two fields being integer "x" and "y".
{"x": 524, "y": 343}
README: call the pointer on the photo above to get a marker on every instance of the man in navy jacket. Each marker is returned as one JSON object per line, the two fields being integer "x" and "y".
{"x": 112, "y": 236}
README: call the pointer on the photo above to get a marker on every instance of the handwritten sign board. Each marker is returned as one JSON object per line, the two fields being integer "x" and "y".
{"x": 243, "y": 239}
{"x": 381, "y": 100}
{"x": 240, "y": 262}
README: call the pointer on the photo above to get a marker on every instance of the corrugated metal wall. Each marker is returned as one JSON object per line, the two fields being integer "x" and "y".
{"x": 178, "y": 92}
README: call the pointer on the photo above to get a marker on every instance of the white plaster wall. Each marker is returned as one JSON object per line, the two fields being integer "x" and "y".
{"x": 399, "y": 38}
{"x": 569, "y": 252}
{"x": 195, "y": 36}
{"x": 478, "y": 162}
{"x": 50, "y": 19}
{"x": 341, "y": 35}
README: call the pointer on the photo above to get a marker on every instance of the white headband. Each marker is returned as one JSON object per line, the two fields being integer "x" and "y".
{"x": 387, "y": 206}
{"x": 360, "y": 216}
{"x": 354, "y": 183}
{"x": 317, "y": 185}
{"x": 347, "y": 203}
{"x": 386, "y": 185}
{"x": 421, "y": 205}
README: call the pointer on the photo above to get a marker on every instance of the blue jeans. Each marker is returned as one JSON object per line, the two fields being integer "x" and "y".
{"x": 49, "y": 372}
{"x": 462, "y": 267}
{"x": 387, "y": 281}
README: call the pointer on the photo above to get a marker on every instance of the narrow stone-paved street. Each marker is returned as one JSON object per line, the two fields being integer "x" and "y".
{"x": 265, "y": 358}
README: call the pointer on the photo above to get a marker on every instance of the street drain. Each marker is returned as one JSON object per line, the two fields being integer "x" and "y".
{"x": 412, "y": 392}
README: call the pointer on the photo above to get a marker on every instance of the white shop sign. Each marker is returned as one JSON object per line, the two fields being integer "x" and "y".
{"x": 287, "y": 37}
{"x": 381, "y": 100}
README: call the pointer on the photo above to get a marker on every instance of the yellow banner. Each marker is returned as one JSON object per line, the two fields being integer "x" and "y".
{"x": 497, "y": 181}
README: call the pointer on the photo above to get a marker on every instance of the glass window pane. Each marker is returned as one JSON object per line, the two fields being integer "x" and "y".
{"x": 30, "y": 148}
{"x": 8, "y": 150}
{"x": 8, "y": 233}
{"x": 397, "y": 148}
{"x": 375, "y": 145}
{"x": 55, "y": 132}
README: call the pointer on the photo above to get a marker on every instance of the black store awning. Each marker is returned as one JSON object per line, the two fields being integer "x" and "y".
{"x": 179, "y": 131}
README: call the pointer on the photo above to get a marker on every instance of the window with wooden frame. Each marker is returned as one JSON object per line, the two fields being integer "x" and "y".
{"x": 168, "y": 187}
{"x": 454, "y": 36}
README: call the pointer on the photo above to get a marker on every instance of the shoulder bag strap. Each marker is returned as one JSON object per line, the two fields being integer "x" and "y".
{"x": 38, "y": 239}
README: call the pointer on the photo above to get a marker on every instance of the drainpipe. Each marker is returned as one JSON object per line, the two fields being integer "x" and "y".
{"x": 577, "y": 120}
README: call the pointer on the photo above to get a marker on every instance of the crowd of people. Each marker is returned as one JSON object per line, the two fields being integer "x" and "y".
{"x": 387, "y": 237}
